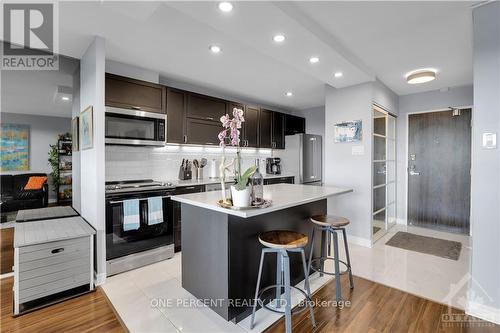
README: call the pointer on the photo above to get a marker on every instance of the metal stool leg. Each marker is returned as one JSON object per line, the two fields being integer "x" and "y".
{"x": 257, "y": 288}
{"x": 338, "y": 290}
{"x": 307, "y": 286}
{"x": 348, "y": 259}
{"x": 279, "y": 278}
{"x": 288, "y": 305}
{"x": 323, "y": 250}
{"x": 311, "y": 251}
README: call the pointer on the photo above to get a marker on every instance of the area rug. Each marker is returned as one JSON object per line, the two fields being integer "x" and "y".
{"x": 429, "y": 245}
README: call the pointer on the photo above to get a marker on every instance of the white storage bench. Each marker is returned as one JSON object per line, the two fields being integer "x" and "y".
{"x": 53, "y": 261}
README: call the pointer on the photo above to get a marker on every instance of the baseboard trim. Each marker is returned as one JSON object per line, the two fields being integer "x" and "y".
{"x": 99, "y": 278}
{"x": 357, "y": 240}
{"x": 483, "y": 312}
{"x": 401, "y": 221}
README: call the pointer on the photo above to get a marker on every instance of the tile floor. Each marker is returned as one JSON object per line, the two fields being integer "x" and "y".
{"x": 438, "y": 279}
{"x": 134, "y": 294}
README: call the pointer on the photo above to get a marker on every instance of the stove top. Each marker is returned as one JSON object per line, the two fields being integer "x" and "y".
{"x": 136, "y": 185}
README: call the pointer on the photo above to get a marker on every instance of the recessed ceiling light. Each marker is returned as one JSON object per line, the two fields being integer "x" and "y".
{"x": 338, "y": 74}
{"x": 289, "y": 94}
{"x": 65, "y": 98}
{"x": 313, "y": 60}
{"x": 421, "y": 76}
{"x": 279, "y": 38}
{"x": 215, "y": 48}
{"x": 225, "y": 6}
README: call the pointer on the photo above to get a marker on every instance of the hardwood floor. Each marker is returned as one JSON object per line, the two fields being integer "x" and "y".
{"x": 6, "y": 250}
{"x": 87, "y": 313}
{"x": 376, "y": 308}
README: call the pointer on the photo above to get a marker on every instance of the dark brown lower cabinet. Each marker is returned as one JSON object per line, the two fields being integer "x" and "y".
{"x": 279, "y": 180}
{"x": 202, "y": 132}
{"x": 176, "y": 212}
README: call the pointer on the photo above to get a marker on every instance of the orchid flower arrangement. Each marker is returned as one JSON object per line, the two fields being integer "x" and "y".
{"x": 231, "y": 133}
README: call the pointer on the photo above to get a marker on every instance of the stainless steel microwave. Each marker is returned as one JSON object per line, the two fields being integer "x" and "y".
{"x": 134, "y": 127}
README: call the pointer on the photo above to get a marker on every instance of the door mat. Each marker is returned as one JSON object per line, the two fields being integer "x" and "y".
{"x": 429, "y": 245}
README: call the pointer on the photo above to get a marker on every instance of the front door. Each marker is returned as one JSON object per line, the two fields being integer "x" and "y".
{"x": 439, "y": 162}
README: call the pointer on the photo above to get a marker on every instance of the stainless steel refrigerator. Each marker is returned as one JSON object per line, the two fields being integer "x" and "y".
{"x": 303, "y": 158}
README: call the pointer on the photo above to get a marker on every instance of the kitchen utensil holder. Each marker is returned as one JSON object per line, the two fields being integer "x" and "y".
{"x": 199, "y": 173}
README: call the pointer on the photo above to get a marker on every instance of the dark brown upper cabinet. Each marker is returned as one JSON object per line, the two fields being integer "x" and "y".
{"x": 266, "y": 129}
{"x": 294, "y": 125}
{"x": 176, "y": 109}
{"x": 205, "y": 107}
{"x": 134, "y": 94}
{"x": 250, "y": 128}
{"x": 202, "y": 132}
{"x": 278, "y": 141}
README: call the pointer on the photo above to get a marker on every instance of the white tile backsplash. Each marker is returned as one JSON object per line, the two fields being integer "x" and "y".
{"x": 162, "y": 163}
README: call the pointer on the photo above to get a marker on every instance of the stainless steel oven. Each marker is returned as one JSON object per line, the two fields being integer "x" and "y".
{"x": 128, "y": 249}
{"x": 134, "y": 127}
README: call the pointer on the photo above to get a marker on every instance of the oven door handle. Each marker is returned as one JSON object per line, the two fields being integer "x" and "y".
{"x": 120, "y": 201}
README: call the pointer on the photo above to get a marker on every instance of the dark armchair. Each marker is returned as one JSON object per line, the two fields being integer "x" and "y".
{"x": 15, "y": 197}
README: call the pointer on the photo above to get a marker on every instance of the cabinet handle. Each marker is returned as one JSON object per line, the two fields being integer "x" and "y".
{"x": 209, "y": 143}
{"x": 210, "y": 118}
{"x": 54, "y": 251}
{"x": 189, "y": 188}
{"x": 136, "y": 107}
{"x": 185, "y": 138}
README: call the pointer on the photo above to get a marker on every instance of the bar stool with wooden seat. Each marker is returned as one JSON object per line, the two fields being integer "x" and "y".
{"x": 330, "y": 224}
{"x": 281, "y": 242}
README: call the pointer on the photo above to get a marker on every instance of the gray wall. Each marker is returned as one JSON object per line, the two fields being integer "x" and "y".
{"x": 43, "y": 132}
{"x": 342, "y": 167}
{"x": 426, "y": 101}
{"x": 484, "y": 296}
{"x": 315, "y": 120}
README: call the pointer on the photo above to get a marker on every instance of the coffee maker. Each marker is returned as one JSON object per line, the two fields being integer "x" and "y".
{"x": 273, "y": 166}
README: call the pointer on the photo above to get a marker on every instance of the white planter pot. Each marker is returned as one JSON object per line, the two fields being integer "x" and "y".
{"x": 241, "y": 198}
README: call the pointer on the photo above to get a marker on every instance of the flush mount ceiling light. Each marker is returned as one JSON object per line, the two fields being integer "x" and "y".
{"x": 65, "y": 98}
{"x": 279, "y": 38}
{"x": 289, "y": 94}
{"x": 225, "y": 6}
{"x": 421, "y": 76}
{"x": 313, "y": 60}
{"x": 214, "y": 48}
{"x": 338, "y": 74}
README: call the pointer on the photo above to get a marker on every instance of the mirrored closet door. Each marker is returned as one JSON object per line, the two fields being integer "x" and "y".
{"x": 384, "y": 172}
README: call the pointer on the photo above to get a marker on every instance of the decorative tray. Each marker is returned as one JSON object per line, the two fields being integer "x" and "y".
{"x": 229, "y": 205}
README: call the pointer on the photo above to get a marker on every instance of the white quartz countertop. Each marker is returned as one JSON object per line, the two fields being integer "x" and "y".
{"x": 282, "y": 196}
{"x": 206, "y": 181}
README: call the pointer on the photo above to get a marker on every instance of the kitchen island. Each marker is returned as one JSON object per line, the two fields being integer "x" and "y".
{"x": 221, "y": 250}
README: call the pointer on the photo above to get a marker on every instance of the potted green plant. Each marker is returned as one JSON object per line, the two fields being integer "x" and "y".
{"x": 54, "y": 163}
{"x": 240, "y": 191}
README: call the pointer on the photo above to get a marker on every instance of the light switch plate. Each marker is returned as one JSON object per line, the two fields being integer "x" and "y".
{"x": 358, "y": 150}
{"x": 489, "y": 140}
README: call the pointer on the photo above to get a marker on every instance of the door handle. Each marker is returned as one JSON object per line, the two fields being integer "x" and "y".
{"x": 414, "y": 173}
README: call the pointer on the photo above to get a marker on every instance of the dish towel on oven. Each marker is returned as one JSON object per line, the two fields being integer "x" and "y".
{"x": 155, "y": 210}
{"x": 131, "y": 220}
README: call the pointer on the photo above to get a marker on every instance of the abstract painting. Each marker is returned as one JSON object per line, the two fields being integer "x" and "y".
{"x": 348, "y": 131}
{"x": 86, "y": 129}
{"x": 14, "y": 145}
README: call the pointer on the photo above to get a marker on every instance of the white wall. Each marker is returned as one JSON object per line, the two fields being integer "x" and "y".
{"x": 315, "y": 119}
{"x": 484, "y": 289}
{"x": 426, "y": 101}
{"x": 344, "y": 169}
{"x": 44, "y": 131}
{"x": 92, "y": 179}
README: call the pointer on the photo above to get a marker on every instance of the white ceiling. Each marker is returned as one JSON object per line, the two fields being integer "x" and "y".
{"x": 364, "y": 40}
{"x": 37, "y": 92}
